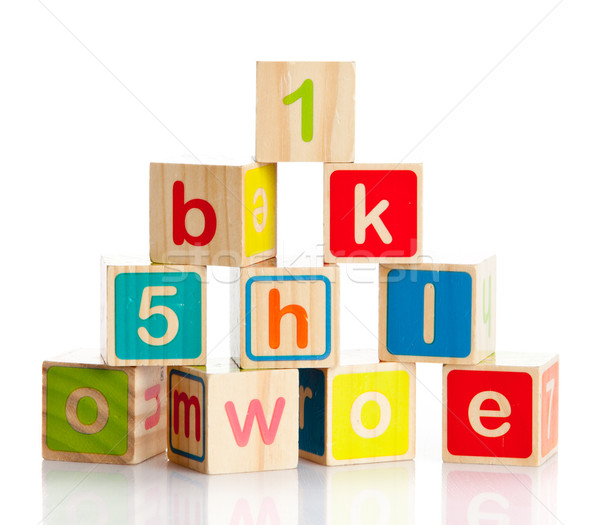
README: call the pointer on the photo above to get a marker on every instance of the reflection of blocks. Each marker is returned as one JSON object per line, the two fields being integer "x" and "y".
{"x": 491, "y": 494}
{"x": 101, "y": 414}
{"x": 373, "y": 212}
{"x": 437, "y": 312}
{"x": 224, "y": 420}
{"x": 361, "y": 494}
{"x": 357, "y": 413}
{"x": 502, "y": 411}
{"x": 248, "y": 498}
{"x": 287, "y": 317}
{"x": 305, "y": 111}
{"x": 74, "y": 493}
{"x": 154, "y": 315}
{"x": 220, "y": 215}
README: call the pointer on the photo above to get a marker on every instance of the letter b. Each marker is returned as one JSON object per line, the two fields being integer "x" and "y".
{"x": 180, "y": 210}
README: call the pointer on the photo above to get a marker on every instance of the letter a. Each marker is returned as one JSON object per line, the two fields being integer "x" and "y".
{"x": 268, "y": 433}
{"x": 180, "y": 210}
{"x": 362, "y": 220}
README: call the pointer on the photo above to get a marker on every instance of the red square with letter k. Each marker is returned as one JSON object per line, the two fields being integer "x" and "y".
{"x": 373, "y": 213}
{"x": 489, "y": 413}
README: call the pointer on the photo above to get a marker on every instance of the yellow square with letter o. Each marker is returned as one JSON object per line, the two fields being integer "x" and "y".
{"x": 370, "y": 415}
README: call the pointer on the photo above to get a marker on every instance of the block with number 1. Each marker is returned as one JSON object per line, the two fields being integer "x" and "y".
{"x": 305, "y": 111}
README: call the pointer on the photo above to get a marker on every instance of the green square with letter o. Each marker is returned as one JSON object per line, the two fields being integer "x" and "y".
{"x": 86, "y": 410}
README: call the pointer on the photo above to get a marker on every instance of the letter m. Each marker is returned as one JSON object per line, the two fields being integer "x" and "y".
{"x": 188, "y": 403}
{"x": 255, "y": 410}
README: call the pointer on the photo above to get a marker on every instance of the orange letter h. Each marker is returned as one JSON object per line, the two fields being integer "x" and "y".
{"x": 275, "y": 315}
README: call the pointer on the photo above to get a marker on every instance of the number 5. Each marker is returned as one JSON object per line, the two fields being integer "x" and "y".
{"x": 146, "y": 311}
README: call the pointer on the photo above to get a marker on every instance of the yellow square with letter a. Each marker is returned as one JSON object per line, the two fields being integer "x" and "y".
{"x": 370, "y": 415}
{"x": 260, "y": 194}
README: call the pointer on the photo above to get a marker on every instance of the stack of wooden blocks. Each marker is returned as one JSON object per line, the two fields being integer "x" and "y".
{"x": 285, "y": 393}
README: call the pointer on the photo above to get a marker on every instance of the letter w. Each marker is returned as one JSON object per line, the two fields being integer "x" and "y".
{"x": 267, "y": 432}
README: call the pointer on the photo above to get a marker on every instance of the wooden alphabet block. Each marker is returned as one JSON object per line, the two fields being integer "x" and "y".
{"x": 373, "y": 212}
{"x": 285, "y": 317}
{"x": 224, "y": 420}
{"x": 101, "y": 414}
{"x": 361, "y": 413}
{"x": 153, "y": 314}
{"x": 501, "y": 411}
{"x": 441, "y": 313}
{"x": 305, "y": 111}
{"x": 213, "y": 215}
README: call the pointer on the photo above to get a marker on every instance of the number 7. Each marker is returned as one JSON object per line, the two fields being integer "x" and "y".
{"x": 550, "y": 388}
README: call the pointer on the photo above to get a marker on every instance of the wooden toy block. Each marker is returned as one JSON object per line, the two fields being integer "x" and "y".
{"x": 153, "y": 314}
{"x": 285, "y": 317}
{"x": 373, "y": 212}
{"x": 224, "y": 420}
{"x": 357, "y": 413}
{"x": 305, "y": 111}
{"x": 101, "y": 414}
{"x": 494, "y": 494}
{"x": 213, "y": 215}
{"x": 437, "y": 313}
{"x": 502, "y": 411}
{"x": 358, "y": 494}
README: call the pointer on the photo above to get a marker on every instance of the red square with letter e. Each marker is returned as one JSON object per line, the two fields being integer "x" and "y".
{"x": 374, "y": 213}
{"x": 489, "y": 413}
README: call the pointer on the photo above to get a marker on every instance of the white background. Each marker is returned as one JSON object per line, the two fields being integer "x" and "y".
{"x": 498, "y": 100}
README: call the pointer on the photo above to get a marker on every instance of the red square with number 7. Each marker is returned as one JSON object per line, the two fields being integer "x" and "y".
{"x": 373, "y": 212}
{"x": 503, "y": 410}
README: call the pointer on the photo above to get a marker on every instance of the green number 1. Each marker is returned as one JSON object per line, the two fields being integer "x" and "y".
{"x": 304, "y": 92}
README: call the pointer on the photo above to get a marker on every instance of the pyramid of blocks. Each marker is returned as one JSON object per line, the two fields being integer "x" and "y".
{"x": 287, "y": 390}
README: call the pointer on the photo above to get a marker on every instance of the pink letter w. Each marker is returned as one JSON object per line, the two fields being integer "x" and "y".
{"x": 268, "y": 433}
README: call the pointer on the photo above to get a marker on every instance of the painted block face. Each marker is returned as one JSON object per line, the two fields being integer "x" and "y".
{"x": 371, "y": 414}
{"x": 289, "y": 317}
{"x": 231, "y": 421}
{"x": 312, "y": 411}
{"x": 373, "y": 212}
{"x": 437, "y": 313}
{"x": 305, "y": 111}
{"x": 101, "y": 414}
{"x": 549, "y": 428}
{"x": 503, "y": 410}
{"x": 259, "y": 202}
{"x": 155, "y": 315}
{"x": 489, "y": 413}
{"x": 220, "y": 215}
{"x": 367, "y": 413}
{"x": 187, "y": 415}
{"x": 448, "y": 294}
{"x": 87, "y": 410}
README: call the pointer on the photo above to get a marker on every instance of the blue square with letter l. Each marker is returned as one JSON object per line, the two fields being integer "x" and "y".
{"x": 447, "y": 294}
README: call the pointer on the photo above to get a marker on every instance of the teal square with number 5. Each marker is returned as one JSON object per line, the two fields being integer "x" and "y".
{"x": 158, "y": 315}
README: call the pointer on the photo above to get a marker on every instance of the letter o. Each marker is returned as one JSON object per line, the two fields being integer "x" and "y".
{"x": 385, "y": 417}
{"x": 71, "y": 410}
